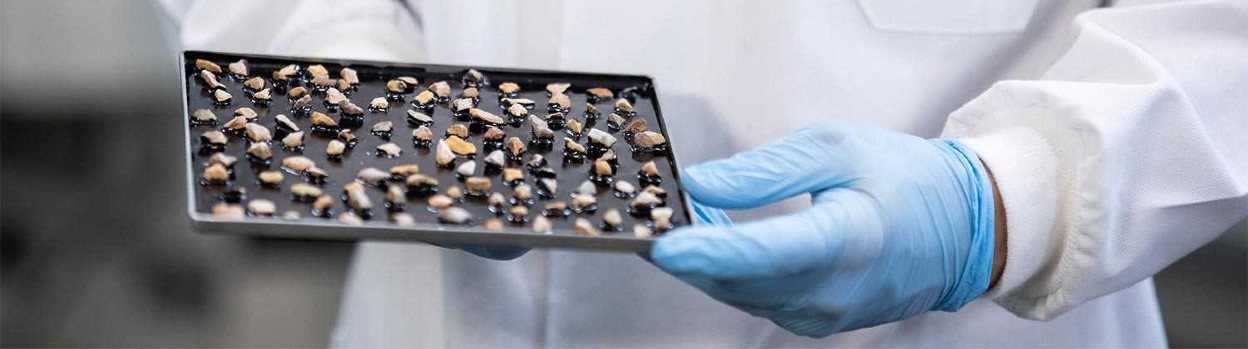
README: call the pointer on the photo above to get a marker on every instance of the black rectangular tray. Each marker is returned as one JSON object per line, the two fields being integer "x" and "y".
{"x": 373, "y": 76}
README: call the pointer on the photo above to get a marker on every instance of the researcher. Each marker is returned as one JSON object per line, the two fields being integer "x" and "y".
{"x": 949, "y": 174}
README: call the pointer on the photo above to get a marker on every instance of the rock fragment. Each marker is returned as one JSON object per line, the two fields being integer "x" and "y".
{"x": 559, "y": 102}
{"x": 228, "y": 211}
{"x": 541, "y": 225}
{"x": 285, "y": 123}
{"x": 513, "y": 176}
{"x": 422, "y": 135}
{"x": 440, "y": 201}
{"x": 304, "y": 191}
{"x": 238, "y": 68}
{"x": 641, "y": 231}
{"x": 258, "y": 133}
{"x": 649, "y": 140}
{"x": 418, "y": 118}
{"x": 285, "y": 73}
{"x": 318, "y": 70}
{"x": 402, "y": 171}
{"x": 460, "y": 146}
{"x": 203, "y": 117}
{"x": 350, "y": 76}
{"x": 599, "y": 93}
{"x": 493, "y": 133}
{"x": 270, "y": 178}
{"x": 425, "y": 99}
{"x": 421, "y": 184}
{"x": 509, "y": 88}
{"x": 395, "y": 197}
{"x": 623, "y": 106}
{"x": 574, "y": 128}
{"x": 323, "y": 122}
{"x": 624, "y": 189}
{"x": 253, "y": 84}
{"x": 297, "y": 92}
{"x": 555, "y": 88}
{"x": 477, "y": 185}
{"x": 441, "y": 89}
{"x": 261, "y": 207}
{"x": 260, "y": 151}
{"x": 389, "y": 150}
{"x": 572, "y": 148}
{"x": 443, "y": 154}
{"x": 457, "y": 130}
{"x": 584, "y": 227}
{"x": 486, "y": 117}
{"x": 223, "y": 159}
{"x": 454, "y": 215}
{"x": 612, "y": 219}
{"x": 636, "y": 126}
{"x": 372, "y": 176}
{"x": 222, "y": 97}
{"x": 396, "y": 86}
{"x": 208, "y": 66}
{"x": 466, "y": 169}
{"x": 216, "y": 174}
{"x": 600, "y": 138}
{"x": 402, "y": 219}
{"x": 379, "y": 104}
{"x": 615, "y": 121}
{"x": 515, "y": 147}
{"x": 470, "y": 92}
{"x": 493, "y": 224}
{"x": 298, "y": 163}
{"x": 214, "y": 139}
{"x": 383, "y": 128}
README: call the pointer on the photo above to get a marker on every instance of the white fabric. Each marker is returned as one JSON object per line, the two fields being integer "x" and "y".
{"x": 1125, "y": 156}
{"x": 1114, "y": 150}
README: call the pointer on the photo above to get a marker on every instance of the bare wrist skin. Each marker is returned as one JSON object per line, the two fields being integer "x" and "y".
{"x": 1000, "y": 234}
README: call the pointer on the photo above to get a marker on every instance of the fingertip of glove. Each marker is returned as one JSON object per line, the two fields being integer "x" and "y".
{"x": 694, "y": 178}
{"x": 684, "y": 251}
{"x": 705, "y": 184}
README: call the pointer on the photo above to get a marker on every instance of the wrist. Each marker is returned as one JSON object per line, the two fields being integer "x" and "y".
{"x": 977, "y": 256}
{"x": 1000, "y": 233}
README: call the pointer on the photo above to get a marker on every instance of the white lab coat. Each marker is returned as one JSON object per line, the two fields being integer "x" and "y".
{"x": 1115, "y": 135}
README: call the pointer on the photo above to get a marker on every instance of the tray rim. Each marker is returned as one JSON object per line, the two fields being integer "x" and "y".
{"x": 205, "y": 223}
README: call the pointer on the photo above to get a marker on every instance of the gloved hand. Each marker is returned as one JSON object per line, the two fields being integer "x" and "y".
{"x": 898, "y": 226}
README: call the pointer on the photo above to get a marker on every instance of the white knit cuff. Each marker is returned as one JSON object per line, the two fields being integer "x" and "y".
{"x": 1023, "y": 166}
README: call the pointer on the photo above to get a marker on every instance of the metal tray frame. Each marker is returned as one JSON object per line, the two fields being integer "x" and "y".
{"x": 436, "y": 234}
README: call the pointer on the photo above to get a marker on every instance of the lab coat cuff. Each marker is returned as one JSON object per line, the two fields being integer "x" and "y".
{"x": 1024, "y": 166}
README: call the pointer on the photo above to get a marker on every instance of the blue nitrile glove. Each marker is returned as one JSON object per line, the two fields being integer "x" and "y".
{"x": 898, "y": 226}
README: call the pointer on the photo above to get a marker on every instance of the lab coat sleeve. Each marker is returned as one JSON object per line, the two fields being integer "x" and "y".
{"x": 386, "y": 30}
{"x": 1128, "y": 153}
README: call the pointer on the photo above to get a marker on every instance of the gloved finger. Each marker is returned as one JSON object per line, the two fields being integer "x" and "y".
{"x": 807, "y": 160}
{"x": 740, "y": 252}
{"x": 781, "y": 292}
{"x": 766, "y": 248}
{"x": 766, "y": 299}
{"x": 495, "y": 253}
{"x": 707, "y": 215}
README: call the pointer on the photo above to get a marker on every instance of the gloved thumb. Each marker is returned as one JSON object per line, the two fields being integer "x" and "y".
{"x": 707, "y": 215}
{"x": 772, "y": 247}
{"x": 807, "y": 160}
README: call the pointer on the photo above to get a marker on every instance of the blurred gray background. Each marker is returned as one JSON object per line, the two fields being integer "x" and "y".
{"x": 97, "y": 251}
